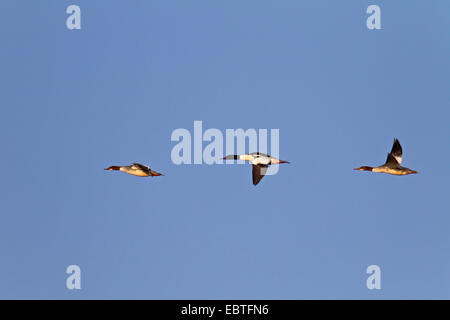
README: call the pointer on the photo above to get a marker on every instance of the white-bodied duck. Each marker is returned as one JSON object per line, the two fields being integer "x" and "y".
{"x": 260, "y": 162}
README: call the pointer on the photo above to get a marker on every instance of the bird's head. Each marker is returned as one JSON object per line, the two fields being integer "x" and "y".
{"x": 364, "y": 168}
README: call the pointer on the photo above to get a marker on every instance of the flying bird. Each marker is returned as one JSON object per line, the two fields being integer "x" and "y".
{"x": 136, "y": 169}
{"x": 393, "y": 163}
{"x": 260, "y": 162}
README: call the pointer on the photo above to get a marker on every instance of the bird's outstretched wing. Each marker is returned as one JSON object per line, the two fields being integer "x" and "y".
{"x": 396, "y": 151}
{"x": 391, "y": 161}
{"x": 141, "y": 166}
{"x": 258, "y": 172}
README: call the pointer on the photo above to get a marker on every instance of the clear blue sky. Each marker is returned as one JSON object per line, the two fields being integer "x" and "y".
{"x": 75, "y": 102}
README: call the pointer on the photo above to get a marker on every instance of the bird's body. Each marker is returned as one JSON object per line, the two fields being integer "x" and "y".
{"x": 136, "y": 169}
{"x": 260, "y": 162}
{"x": 393, "y": 163}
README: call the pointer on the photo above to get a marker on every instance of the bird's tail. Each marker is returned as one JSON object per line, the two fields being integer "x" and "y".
{"x": 155, "y": 174}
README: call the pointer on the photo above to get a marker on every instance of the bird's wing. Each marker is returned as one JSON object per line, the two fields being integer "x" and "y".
{"x": 141, "y": 166}
{"x": 392, "y": 161}
{"x": 258, "y": 172}
{"x": 396, "y": 151}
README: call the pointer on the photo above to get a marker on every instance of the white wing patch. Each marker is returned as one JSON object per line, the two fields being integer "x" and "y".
{"x": 261, "y": 160}
{"x": 399, "y": 158}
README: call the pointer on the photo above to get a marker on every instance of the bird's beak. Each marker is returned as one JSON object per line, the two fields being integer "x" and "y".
{"x": 282, "y": 161}
{"x": 413, "y": 171}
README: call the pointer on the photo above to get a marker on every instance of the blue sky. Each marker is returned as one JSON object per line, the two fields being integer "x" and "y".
{"x": 77, "y": 101}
